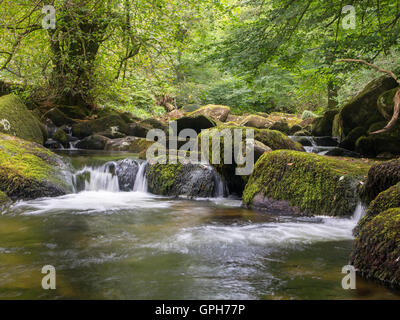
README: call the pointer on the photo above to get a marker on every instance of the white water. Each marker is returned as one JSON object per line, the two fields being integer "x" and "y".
{"x": 140, "y": 181}
{"x": 100, "y": 179}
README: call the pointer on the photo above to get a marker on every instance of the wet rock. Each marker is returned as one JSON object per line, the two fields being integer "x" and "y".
{"x": 191, "y": 180}
{"x": 53, "y": 144}
{"x": 350, "y": 141}
{"x": 325, "y": 141}
{"x": 126, "y": 170}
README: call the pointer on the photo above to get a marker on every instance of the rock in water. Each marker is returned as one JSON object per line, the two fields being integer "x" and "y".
{"x": 191, "y": 180}
{"x": 304, "y": 183}
{"x": 126, "y": 171}
{"x": 376, "y": 249}
{"x": 28, "y": 170}
{"x": 17, "y": 120}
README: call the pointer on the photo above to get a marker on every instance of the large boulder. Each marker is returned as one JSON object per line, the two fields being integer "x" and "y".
{"x": 28, "y": 170}
{"x": 373, "y": 145}
{"x": 305, "y": 184}
{"x": 58, "y": 117}
{"x": 387, "y": 199}
{"x": 255, "y": 121}
{"x": 88, "y": 128}
{"x": 215, "y": 112}
{"x": 17, "y": 120}
{"x": 322, "y": 126}
{"x": 94, "y": 142}
{"x": 191, "y": 180}
{"x": 362, "y": 110}
{"x": 281, "y": 126}
{"x": 349, "y": 142}
{"x": 195, "y": 122}
{"x": 132, "y": 144}
{"x": 381, "y": 177}
{"x": 376, "y": 249}
{"x": 264, "y": 141}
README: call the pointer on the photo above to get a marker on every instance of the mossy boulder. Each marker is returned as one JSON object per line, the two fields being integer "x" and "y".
{"x": 74, "y": 112}
{"x": 295, "y": 128}
{"x": 94, "y": 142}
{"x": 349, "y": 142}
{"x": 195, "y": 122}
{"x": 362, "y": 110}
{"x": 215, "y": 112}
{"x": 381, "y": 177}
{"x": 322, "y": 126}
{"x": 376, "y": 249}
{"x": 387, "y": 199}
{"x": 305, "y": 184}
{"x": 302, "y": 133}
{"x": 88, "y": 128}
{"x": 132, "y": 144}
{"x": 17, "y": 120}
{"x": 386, "y": 103}
{"x": 265, "y": 140}
{"x": 61, "y": 137}
{"x": 4, "y": 199}
{"x": 155, "y": 124}
{"x": 255, "y": 121}
{"x": 28, "y": 170}
{"x": 191, "y": 180}
{"x": 373, "y": 145}
{"x": 58, "y": 117}
{"x": 281, "y": 126}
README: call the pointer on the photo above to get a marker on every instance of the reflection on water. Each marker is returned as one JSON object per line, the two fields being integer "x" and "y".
{"x": 133, "y": 245}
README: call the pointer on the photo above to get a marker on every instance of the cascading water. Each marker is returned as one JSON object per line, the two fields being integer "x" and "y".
{"x": 140, "y": 181}
{"x": 97, "y": 178}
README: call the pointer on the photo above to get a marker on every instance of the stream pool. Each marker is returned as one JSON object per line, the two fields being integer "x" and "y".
{"x": 133, "y": 245}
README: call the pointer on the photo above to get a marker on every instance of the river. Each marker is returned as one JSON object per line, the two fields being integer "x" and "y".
{"x": 108, "y": 244}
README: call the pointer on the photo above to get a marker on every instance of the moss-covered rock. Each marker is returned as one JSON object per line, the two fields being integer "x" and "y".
{"x": 381, "y": 177}
{"x": 28, "y": 170}
{"x": 74, "y": 112}
{"x": 17, "y": 120}
{"x": 265, "y": 140}
{"x": 192, "y": 180}
{"x": 4, "y": 199}
{"x": 376, "y": 249}
{"x": 387, "y": 199}
{"x": 372, "y": 145}
{"x": 61, "y": 137}
{"x": 281, "y": 126}
{"x": 349, "y": 142}
{"x": 362, "y": 110}
{"x": 303, "y": 183}
{"x": 132, "y": 144}
{"x": 94, "y": 142}
{"x": 155, "y": 124}
{"x": 255, "y": 121}
{"x": 322, "y": 126}
{"x": 302, "y": 133}
{"x": 386, "y": 103}
{"x": 88, "y": 128}
{"x": 215, "y": 112}
{"x": 58, "y": 117}
{"x": 295, "y": 128}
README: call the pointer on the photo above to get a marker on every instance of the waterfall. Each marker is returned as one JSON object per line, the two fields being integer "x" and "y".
{"x": 140, "y": 181}
{"x": 96, "y": 179}
{"x": 221, "y": 190}
{"x": 359, "y": 212}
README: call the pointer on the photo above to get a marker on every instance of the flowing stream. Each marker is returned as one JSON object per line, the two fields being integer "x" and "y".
{"x": 109, "y": 244}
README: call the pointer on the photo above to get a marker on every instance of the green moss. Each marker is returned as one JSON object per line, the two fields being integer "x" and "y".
{"x": 314, "y": 184}
{"x": 162, "y": 177}
{"x": 376, "y": 249}
{"x": 61, "y": 136}
{"x": 17, "y": 120}
{"x": 215, "y": 112}
{"x": 28, "y": 170}
{"x": 4, "y": 199}
{"x": 387, "y": 199}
